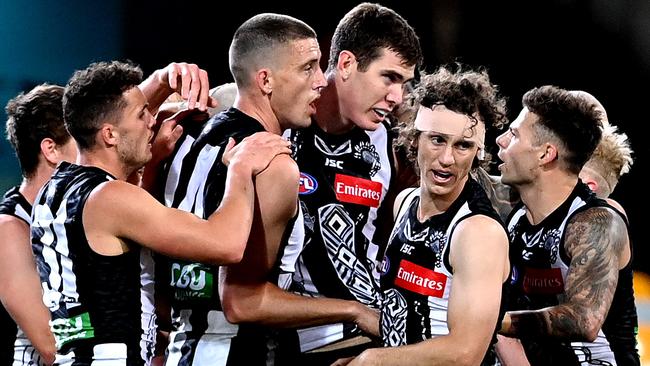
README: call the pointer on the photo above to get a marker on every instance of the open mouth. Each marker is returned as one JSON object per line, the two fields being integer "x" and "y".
{"x": 441, "y": 176}
{"x": 381, "y": 113}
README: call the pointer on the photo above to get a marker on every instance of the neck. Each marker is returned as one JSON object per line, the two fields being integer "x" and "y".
{"x": 328, "y": 111}
{"x": 106, "y": 160}
{"x": 258, "y": 106}
{"x": 29, "y": 187}
{"x": 546, "y": 194}
{"x": 434, "y": 204}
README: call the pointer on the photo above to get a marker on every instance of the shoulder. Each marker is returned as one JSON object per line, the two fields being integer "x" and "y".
{"x": 401, "y": 198}
{"x": 281, "y": 169}
{"x": 596, "y": 216}
{"x": 598, "y": 226}
{"x": 116, "y": 195}
{"x": 10, "y": 223}
{"x": 482, "y": 225}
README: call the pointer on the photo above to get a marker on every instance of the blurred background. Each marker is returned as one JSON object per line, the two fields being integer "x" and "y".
{"x": 601, "y": 46}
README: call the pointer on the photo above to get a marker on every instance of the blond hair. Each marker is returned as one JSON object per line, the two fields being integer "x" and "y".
{"x": 611, "y": 159}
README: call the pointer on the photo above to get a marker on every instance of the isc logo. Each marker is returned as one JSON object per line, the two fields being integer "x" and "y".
{"x": 307, "y": 184}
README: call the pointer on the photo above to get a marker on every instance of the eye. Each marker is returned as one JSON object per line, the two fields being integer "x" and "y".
{"x": 437, "y": 140}
{"x": 464, "y": 145}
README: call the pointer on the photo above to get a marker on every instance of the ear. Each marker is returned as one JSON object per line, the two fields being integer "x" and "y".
{"x": 346, "y": 64}
{"x": 264, "y": 81}
{"x": 592, "y": 184}
{"x": 48, "y": 150}
{"x": 549, "y": 154}
{"x": 108, "y": 134}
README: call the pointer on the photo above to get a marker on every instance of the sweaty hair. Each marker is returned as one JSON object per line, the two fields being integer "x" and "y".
{"x": 569, "y": 120}
{"x": 31, "y": 118}
{"x": 367, "y": 30}
{"x": 95, "y": 95}
{"x": 612, "y": 157}
{"x": 258, "y": 39}
{"x": 466, "y": 92}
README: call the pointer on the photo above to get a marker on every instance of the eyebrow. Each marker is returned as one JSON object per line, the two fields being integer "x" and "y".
{"x": 396, "y": 75}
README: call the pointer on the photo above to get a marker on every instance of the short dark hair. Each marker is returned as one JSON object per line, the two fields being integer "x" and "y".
{"x": 465, "y": 91}
{"x": 32, "y": 117}
{"x": 573, "y": 121}
{"x": 367, "y": 30}
{"x": 257, "y": 39}
{"x": 95, "y": 94}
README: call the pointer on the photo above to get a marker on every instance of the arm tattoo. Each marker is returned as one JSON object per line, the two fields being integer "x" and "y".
{"x": 594, "y": 240}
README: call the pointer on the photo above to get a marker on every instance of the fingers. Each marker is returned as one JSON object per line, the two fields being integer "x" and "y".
{"x": 191, "y": 82}
{"x": 176, "y": 134}
{"x": 231, "y": 144}
{"x": 228, "y": 151}
{"x": 257, "y": 151}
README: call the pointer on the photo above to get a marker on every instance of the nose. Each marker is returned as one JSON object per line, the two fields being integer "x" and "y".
{"x": 319, "y": 81}
{"x": 151, "y": 121}
{"x": 395, "y": 94}
{"x": 446, "y": 157}
{"x": 502, "y": 140}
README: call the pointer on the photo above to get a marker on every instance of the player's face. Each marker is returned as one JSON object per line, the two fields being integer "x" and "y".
{"x": 298, "y": 80}
{"x": 447, "y": 146}
{"x": 135, "y": 130}
{"x": 518, "y": 151}
{"x": 366, "y": 97}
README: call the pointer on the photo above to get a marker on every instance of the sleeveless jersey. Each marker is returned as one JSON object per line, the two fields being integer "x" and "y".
{"x": 540, "y": 264}
{"x": 343, "y": 181}
{"x": 195, "y": 182}
{"x": 417, "y": 276}
{"x": 14, "y": 341}
{"x": 101, "y": 306}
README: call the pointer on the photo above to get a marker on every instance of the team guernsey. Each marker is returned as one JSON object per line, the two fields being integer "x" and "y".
{"x": 417, "y": 276}
{"x": 343, "y": 181}
{"x": 14, "y": 341}
{"x": 540, "y": 265}
{"x": 195, "y": 182}
{"x": 101, "y": 306}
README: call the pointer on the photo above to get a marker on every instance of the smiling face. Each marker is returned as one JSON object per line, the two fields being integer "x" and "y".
{"x": 135, "y": 130}
{"x": 298, "y": 80}
{"x": 366, "y": 97}
{"x": 447, "y": 146}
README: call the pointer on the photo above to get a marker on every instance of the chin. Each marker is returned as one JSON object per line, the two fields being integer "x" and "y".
{"x": 368, "y": 125}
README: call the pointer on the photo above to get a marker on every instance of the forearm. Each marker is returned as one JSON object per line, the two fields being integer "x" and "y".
{"x": 156, "y": 90}
{"x": 25, "y": 305}
{"x": 442, "y": 350}
{"x": 232, "y": 221}
{"x": 269, "y": 305}
{"x": 560, "y": 322}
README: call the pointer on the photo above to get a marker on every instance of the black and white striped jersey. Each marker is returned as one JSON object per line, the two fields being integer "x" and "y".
{"x": 343, "y": 181}
{"x": 417, "y": 277}
{"x": 195, "y": 182}
{"x": 13, "y": 341}
{"x": 539, "y": 269}
{"x": 101, "y": 306}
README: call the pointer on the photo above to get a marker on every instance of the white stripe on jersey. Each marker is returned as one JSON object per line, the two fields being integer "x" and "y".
{"x": 23, "y": 214}
{"x": 175, "y": 170}
{"x": 148, "y": 318}
{"x": 379, "y": 138}
{"x": 194, "y": 195}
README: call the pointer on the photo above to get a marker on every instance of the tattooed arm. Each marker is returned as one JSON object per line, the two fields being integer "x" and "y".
{"x": 595, "y": 240}
{"x": 502, "y": 196}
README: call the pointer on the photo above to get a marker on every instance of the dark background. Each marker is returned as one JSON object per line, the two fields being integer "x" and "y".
{"x": 601, "y": 46}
